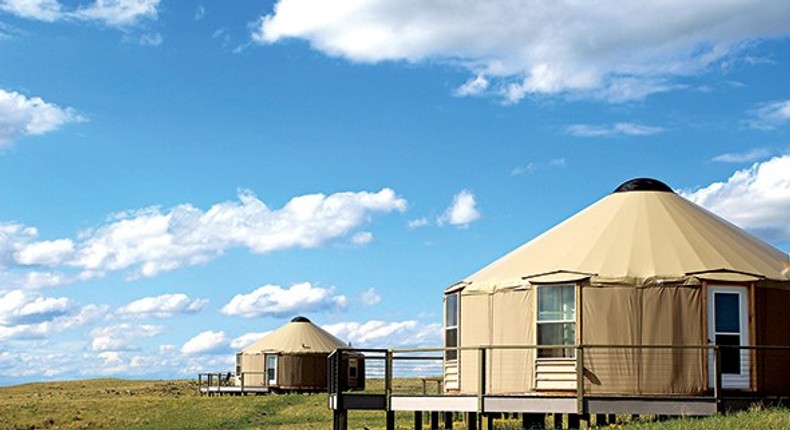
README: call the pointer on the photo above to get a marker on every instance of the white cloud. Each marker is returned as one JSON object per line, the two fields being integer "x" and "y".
{"x": 121, "y": 337}
{"x": 115, "y": 13}
{"x": 30, "y": 116}
{"x": 371, "y": 297}
{"x": 156, "y": 242}
{"x": 362, "y": 238}
{"x": 617, "y": 129}
{"x": 604, "y": 49}
{"x": 417, "y": 223}
{"x": 25, "y": 315}
{"x": 207, "y": 342}
{"x": 273, "y": 300}
{"x": 42, "y": 10}
{"x": 375, "y": 333}
{"x": 771, "y": 115}
{"x": 247, "y": 339}
{"x": 162, "y": 306}
{"x": 742, "y": 157}
{"x": 462, "y": 212}
{"x": 45, "y": 253}
{"x": 533, "y": 167}
{"x": 757, "y": 198}
{"x": 18, "y": 307}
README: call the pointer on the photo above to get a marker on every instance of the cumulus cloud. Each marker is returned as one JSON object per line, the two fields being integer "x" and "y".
{"x": 247, "y": 339}
{"x": 742, "y": 157}
{"x": 207, "y": 342}
{"x": 757, "y": 198}
{"x": 116, "y": 13}
{"x": 417, "y": 223}
{"x": 362, "y": 238}
{"x": 30, "y": 116}
{"x": 18, "y": 307}
{"x": 162, "y": 306}
{"x": 376, "y": 333}
{"x": 25, "y": 314}
{"x": 603, "y": 49}
{"x": 771, "y": 115}
{"x": 533, "y": 167}
{"x": 121, "y": 337}
{"x": 617, "y": 129}
{"x": 273, "y": 300}
{"x": 370, "y": 297}
{"x": 150, "y": 241}
{"x": 462, "y": 212}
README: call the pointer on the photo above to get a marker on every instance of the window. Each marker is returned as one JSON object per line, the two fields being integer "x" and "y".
{"x": 238, "y": 363}
{"x": 352, "y": 368}
{"x": 556, "y": 320}
{"x": 451, "y": 326}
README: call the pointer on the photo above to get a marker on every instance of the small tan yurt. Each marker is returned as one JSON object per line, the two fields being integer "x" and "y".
{"x": 293, "y": 358}
{"x": 641, "y": 282}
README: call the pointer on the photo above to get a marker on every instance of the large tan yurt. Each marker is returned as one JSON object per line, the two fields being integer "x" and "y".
{"x": 640, "y": 284}
{"x": 293, "y": 358}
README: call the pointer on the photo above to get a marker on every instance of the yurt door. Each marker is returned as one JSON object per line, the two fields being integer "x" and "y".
{"x": 728, "y": 324}
{"x": 271, "y": 369}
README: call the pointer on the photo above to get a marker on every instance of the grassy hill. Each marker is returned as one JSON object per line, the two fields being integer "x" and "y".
{"x": 138, "y": 405}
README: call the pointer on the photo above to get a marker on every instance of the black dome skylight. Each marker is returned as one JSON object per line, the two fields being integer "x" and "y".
{"x": 300, "y": 319}
{"x": 643, "y": 184}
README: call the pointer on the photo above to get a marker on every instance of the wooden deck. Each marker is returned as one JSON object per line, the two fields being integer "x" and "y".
{"x": 233, "y": 390}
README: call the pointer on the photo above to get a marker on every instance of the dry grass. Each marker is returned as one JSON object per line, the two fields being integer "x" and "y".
{"x": 138, "y": 405}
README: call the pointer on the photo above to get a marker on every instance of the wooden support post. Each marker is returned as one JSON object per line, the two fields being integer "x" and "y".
{"x": 533, "y": 421}
{"x": 584, "y": 421}
{"x": 717, "y": 376}
{"x": 488, "y": 421}
{"x": 448, "y": 421}
{"x": 635, "y": 417}
{"x": 573, "y": 421}
{"x": 611, "y": 419}
{"x": 434, "y": 420}
{"x": 600, "y": 420}
{"x": 417, "y": 420}
{"x": 390, "y": 420}
{"x": 340, "y": 419}
{"x": 471, "y": 421}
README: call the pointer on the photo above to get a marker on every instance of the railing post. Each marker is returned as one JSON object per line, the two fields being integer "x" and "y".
{"x": 388, "y": 377}
{"x": 579, "y": 379}
{"x": 717, "y": 377}
{"x": 481, "y": 371}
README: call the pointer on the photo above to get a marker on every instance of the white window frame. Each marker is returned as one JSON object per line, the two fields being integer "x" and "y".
{"x": 273, "y": 379}
{"x": 567, "y": 353}
{"x": 452, "y": 355}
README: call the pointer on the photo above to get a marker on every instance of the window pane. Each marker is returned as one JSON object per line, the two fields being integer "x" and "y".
{"x": 727, "y": 313}
{"x": 556, "y": 334}
{"x": 730, "y": 357}
{"x": 451, "y": 311}
{"x": 557, "y": 303}
{"x": 450, "y": 341}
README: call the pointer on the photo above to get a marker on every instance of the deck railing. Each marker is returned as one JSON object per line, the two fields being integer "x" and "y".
{"x": 214, "y": 382}
{"x": 652, "y": 371}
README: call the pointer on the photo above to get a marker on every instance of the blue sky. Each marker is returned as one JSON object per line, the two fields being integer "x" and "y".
{"x": 178, "y": 178}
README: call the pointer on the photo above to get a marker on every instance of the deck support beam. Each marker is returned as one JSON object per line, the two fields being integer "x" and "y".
{"x": 417, "y": 420}
{"x": 530, "y": 421}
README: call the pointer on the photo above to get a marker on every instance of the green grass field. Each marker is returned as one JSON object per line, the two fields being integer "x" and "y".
{"x": 124, "y": 404}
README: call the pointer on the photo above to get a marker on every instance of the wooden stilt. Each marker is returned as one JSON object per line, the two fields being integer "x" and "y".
{"x": 390, "y": 420}
{"x": 417, "y": 420}
{"x": 471, "y": 421}
{"x": 533, "y": 421}
{"x": 340, "y": 419}
{"x": 573, "y": 421}
{"x": 434, "y": 420}
{"x": 448, "y": 420}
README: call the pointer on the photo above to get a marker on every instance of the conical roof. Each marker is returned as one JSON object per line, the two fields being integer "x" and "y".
{"x": 300, "y": 336}
{"x": 642, "y": 233}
